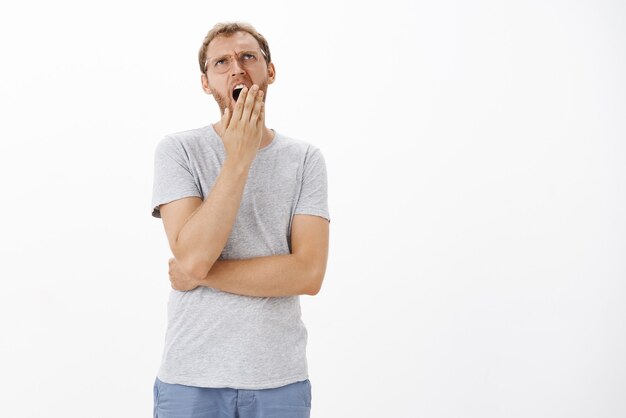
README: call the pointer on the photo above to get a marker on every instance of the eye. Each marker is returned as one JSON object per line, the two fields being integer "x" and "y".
{"x": 248, "y": 56}
{"x": 220, "y": 62}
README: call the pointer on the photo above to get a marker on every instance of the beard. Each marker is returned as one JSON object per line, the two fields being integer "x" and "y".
{"x": 226, "y": 102}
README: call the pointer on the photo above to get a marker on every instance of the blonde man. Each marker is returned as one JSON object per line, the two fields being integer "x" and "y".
{"x": 246, "y": 216}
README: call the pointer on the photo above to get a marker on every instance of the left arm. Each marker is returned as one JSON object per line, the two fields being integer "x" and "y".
{"x": 298, "y": 273}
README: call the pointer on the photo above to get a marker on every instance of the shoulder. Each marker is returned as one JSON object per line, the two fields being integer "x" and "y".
{"x": 186, "y": 142}
{"x": 186, "y": 138}
{"x": 299, "y": 147}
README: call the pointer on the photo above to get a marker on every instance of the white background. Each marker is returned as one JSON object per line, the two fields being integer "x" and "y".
{"x": 475, "y": 152}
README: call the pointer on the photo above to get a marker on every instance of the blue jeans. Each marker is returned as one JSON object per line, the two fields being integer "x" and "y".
{"x": 179, "y": 401}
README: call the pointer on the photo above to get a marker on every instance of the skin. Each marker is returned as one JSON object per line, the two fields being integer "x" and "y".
{"x": 220, "y": 85}
{"x": 198, "y": 230}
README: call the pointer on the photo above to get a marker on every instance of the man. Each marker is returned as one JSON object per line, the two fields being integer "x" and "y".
{"x": 245, "y": 213}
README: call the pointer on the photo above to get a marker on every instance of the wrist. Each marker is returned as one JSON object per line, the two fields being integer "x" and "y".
{"x": 237, "y": 166}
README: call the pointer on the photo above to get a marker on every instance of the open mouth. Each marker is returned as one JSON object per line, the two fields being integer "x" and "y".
{"x": 237, "y": 91}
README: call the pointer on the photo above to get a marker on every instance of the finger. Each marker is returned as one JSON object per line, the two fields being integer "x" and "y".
{"x": 239, "y": 105}
{"x": 247, "y": 110}
{"x": 260, "y": 122}
{"x": 258, "y": 105}
{"x": 225, "y": 118}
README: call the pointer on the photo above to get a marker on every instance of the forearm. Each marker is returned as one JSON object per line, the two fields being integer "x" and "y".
{"x": 204, "y": 235}
{"x": 271, "y": 276}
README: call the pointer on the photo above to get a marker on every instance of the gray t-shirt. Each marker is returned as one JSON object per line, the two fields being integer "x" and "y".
{"x": 219, "y": 339}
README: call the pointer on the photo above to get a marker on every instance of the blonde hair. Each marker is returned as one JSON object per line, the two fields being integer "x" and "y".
{"x": 228, "y": 29}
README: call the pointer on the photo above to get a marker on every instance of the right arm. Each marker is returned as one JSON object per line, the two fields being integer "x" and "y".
{"x": 198, "y": 231}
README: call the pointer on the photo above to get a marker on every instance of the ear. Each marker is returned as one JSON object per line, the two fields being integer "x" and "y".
{"x": 205, "y": 84}
{"x": 271, "y": 73}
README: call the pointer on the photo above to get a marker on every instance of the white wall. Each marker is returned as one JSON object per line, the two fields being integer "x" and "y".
{"x": 476, "y": 155}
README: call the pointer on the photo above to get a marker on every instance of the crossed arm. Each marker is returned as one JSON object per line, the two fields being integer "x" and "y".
{"x": 197, "y": 232}
{"x": 298, "y": 273}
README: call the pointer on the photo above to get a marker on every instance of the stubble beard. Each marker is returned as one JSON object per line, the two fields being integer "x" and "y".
{"x": 225, "y": 102}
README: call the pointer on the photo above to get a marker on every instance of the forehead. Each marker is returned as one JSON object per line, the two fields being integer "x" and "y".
{"x": 238, "y": 41}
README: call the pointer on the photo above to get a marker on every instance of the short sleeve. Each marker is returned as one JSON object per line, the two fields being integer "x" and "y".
{"x": 173, "y": 178}
{"x": 313, "y": 198}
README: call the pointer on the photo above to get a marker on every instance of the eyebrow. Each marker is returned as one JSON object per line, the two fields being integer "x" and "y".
{"x": 218, "y": 57}
{"x": 242, "y": 51}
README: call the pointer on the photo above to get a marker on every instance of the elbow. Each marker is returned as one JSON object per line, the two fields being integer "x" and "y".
{"x": 197, "y": 269}
{"x": 313, "y": 291}
{"x": 314, "y": 284}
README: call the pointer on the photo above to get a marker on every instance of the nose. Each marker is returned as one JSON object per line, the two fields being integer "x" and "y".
{"x": 236, "y": 68}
